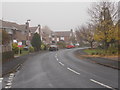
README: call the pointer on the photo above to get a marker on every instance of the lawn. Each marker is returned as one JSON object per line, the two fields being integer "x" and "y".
{"x": 101, "y": 52}
{"x": 92, "y": 51}
{"x": 22, "y": 54}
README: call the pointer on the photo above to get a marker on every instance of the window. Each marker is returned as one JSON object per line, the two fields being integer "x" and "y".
{"x": 53, "y": 39}
{"x": 57, "y": 39}
{"x": 61, "y": 38}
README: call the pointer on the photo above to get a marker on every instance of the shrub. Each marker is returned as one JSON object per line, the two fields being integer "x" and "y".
{"x": 42, "y": 47}
{"x": 31, "y": 49}
{"x": 92, "y": 53}
{"x": 112, "y": 50}
{"x": 15, "y": 48}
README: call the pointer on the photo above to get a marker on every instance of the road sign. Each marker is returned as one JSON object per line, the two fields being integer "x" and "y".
{"x": 19, "y": 44}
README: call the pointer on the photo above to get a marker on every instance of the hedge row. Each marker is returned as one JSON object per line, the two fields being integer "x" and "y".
{"x": 7, "y": 56}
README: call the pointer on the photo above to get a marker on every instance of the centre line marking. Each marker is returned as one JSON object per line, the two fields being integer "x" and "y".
{"x": 61, "y": 63}
{"x": 56, "y": 56}
{"x": 73, "y": 71}
{"x": 101, "y": 84}
{"x": 57, "y": 59}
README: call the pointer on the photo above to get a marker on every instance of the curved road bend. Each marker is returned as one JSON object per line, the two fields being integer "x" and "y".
{"x": 60, "y": 69}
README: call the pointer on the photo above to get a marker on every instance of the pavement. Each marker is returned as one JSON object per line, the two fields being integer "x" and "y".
{"x": 61, "y": 69}
{"x": 13, "y": 64}
{"x": 99, "y": 60}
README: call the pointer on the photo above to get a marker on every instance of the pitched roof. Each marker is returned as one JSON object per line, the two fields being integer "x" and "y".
{"x": 62, "y": 33}
{"x": 44, "y": 30}
{"x": 32, "y": 29}
{"x": 13, "y": 25}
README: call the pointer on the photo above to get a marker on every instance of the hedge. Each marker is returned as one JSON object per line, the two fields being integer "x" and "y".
{"x": 7, "y": 56}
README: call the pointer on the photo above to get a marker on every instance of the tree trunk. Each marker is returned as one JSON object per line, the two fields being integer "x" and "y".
{"x": 91, "y": 44}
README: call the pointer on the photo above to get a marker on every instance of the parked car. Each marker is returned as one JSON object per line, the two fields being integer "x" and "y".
{"x": 53, "y": 48}
{"x": 70, "y": 46}
{"x": 26, "y": 48}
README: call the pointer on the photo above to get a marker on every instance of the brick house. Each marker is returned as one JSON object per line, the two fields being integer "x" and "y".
{"x": 17, "y": 32}
{"x": 64, "y": 36}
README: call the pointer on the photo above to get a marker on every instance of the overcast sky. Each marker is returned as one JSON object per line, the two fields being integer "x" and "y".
{"x": 56, "y": 15}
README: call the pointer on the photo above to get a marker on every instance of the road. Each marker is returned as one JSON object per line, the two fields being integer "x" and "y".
{"x": 60, "y": 69}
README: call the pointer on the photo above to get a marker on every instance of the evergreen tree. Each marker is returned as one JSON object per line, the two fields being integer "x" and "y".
{"x": 36, "y": 42}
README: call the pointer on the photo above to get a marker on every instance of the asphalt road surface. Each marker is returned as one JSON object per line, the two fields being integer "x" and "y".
{"x": 61, "y": 69}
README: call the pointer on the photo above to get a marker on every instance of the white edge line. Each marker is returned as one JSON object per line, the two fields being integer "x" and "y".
{"x": 61, "y": 63}
{"x": 12, "y": 74}
{"x": 73, "y": 71}
{"x": 10, "y": 78}
{"x": 9, "y": 81}
{"x": 1, "y": 78}
{"x": 8, "y": 87}
{"x": 9, "y": 84}
{"x": 101, "y": 83}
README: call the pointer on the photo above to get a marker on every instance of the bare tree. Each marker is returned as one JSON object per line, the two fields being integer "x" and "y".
{"x": 86, "y": 34}
{"x": 97, "y": 8}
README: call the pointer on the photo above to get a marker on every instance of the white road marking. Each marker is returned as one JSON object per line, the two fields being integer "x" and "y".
{"x": 8, "y": 87}
{"x": 61, "y": 63}
{"x": 9, "y": 81}
{"x": 12, "y": 74}
{"x": 101, "y": 84}
{"x": 1, "y": 80}
{"x": 57, "y": 59}
{"x": 9, "y": 84}
{"x": 10, "y": 78}
{"x": 55, "y": 56}
{"x": 73, "y": 71}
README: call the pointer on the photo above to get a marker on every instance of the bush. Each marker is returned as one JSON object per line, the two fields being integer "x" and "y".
{"x": 7, "y": 56}
{"x": 112, "y": 50}
{"x": 42, "y": 47}
{"x": 92, "y": 53}
{"x": 31, "y": 49}
{"x": 15, "y": 48}
{"x": 61, "y": 44}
